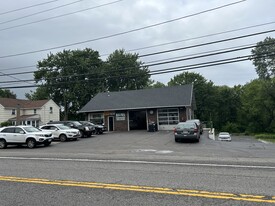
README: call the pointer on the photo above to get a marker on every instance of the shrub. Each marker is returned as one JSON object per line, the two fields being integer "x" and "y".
{"x": 265, "y": 136}
{"x": 4, "y": 124}
{"x": 231, "y": 128}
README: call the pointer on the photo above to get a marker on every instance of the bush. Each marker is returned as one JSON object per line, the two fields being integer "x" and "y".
{"x": 231, "y": 128}
{"x": 4, "y": 124}
{"x": 265, "y": 136}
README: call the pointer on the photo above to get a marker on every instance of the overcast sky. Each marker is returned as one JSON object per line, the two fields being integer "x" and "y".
{"x": 53, "y": 24}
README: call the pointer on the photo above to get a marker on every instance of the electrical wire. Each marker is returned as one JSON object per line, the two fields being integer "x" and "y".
{"x": 162, "y": 71}
{"x": 27, "y": 7}
{"x": 40, "y": 12}
{"x": 62, "y": 15}
{"x": 168, "y": 43}
{"x": 164, "y": 61}
{"x": 123, "y": 33}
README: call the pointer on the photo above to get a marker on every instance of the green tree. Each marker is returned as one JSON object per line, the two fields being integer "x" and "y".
{"x": 156, "y": 84}
{"x": 227, "y": 102}
{"x": 258, "y": 106}
{"x": 5, "y": 93}
{"x": 264, "y": 58}
{"x": 38, "y": 94}
{"x": 123, "y": 71}
{"x": 70, "y": 78}
{"x": 203, "y": 90}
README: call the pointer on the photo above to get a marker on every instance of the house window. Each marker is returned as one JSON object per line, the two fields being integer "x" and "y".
{"x": 168, "y": 116}
{"x": 13, "y": 111}
{"x": 34, "y": 111}
{"x": 51, "y": 110}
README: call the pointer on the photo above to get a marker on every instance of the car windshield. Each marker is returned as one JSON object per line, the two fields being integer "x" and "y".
{"x": 185, "y": 125}
{"x": 63, "y": 127}
{"x": 31, "y": 129}
{"x": 194, "y": 120}
{"x": 76, "y": 123}
{"x": 224, "y": 133}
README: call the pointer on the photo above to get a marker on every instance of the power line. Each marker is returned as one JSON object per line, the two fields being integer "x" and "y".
{"x": 208, "y": 43}
{"x": 234, "y": 59}
{"x": 27, "y": 7}
{"x": 188, "y": 57}
{"x": 168, "y": 43}
{"x": 125, "y": 32}
{"x": 62, "y": 15}
{"x": 220, "y": 51}
{"x": 163, "y": 71}
{"x": 199, "y": 37}
{"x": 40, "y": 12}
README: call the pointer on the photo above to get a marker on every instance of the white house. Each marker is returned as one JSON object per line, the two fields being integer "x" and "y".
{"x": 28, "y": 112}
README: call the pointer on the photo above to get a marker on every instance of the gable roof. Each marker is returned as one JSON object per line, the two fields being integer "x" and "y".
{"x": 176, "y": 96}
{"x": 13, "y": 103}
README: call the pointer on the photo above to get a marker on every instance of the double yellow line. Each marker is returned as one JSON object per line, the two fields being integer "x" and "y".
{"x": 159, "y": 190}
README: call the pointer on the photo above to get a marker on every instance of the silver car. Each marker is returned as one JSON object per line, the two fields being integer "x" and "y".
{"x": 224, "y": 136}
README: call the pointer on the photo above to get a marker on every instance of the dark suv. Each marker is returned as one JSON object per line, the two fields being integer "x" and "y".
{"x": 85, "y": 131}
{"x": 99, "y": 129}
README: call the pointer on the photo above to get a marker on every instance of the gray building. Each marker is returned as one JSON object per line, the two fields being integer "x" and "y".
{"x": 136, "y": 109}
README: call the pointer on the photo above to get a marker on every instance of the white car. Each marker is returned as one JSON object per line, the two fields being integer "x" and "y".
{"x": 19, "y": 135}
{"x": 62, "y": 132}
{"x": 224, "y": 136}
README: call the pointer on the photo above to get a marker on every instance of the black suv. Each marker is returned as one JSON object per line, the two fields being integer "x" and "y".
{"x": 85, "y": 131}
{"x": 99, "y": 129}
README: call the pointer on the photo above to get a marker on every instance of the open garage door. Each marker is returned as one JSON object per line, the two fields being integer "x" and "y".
{"x": 137, "y": 120}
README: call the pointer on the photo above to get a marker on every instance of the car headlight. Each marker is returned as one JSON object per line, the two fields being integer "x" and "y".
{"x": 87, "y": 128}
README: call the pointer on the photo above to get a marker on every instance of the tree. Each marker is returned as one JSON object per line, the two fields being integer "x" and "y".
{"x": 203, "y": 90}
{"x": 264, "y": 58}
{"x": 123, "y": 71}
{"x": 227, "y": 100}
{"x": 70, "y": 78}
{"x": 258, "y": 106}
{"x": 5, "y": 93}
{"x": 156, "y": 84}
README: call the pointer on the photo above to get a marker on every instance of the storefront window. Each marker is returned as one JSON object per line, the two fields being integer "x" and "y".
{"x": 97, "y": 118}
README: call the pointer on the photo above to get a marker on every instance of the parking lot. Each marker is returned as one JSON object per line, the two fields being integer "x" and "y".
{"x": 143, "y": 145}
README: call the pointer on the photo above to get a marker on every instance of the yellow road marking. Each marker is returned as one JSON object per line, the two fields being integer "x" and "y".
{"x": 148, "y": 189}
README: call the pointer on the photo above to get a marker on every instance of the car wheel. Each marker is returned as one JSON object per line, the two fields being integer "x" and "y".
{"x": 31, "y": 143}
{"x": 62, "y": 138}
{"x": 3, "y": 144}
{"x": 47, "y": 144}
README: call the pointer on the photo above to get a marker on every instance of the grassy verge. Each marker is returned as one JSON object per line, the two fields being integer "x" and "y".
{"x": 266, "y": 137}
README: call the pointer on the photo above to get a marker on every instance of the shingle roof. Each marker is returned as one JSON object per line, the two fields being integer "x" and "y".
{"x": 137, "y": 99}
{"x": 13, "y": 103}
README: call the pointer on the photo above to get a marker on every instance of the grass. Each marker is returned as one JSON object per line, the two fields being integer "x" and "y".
{"x": 266, "y": 137}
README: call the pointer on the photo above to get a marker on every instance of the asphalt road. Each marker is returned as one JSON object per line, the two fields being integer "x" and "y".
{"x": 139, "y": 168}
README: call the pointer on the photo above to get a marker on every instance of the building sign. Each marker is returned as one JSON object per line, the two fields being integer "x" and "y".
{"x": 120, "y": 116}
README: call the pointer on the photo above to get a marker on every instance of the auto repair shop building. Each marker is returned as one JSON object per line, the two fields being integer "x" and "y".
{"x": 136, "y": 109}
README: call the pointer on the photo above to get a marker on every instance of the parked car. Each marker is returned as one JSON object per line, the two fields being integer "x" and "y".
{"x": 224, "y": 136}
{"x": 198, "y": 122}
{"x": 61, "y": 132}
{"x": 187, "y": 131}
{"x": 20, "y": 135}
{"x": 98, "y": 129}
{"x": 84, "y": 130}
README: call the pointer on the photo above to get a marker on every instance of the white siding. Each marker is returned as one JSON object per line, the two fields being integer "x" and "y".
{"x": 45, "y": 113}
{"x": 5, "y": 114}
